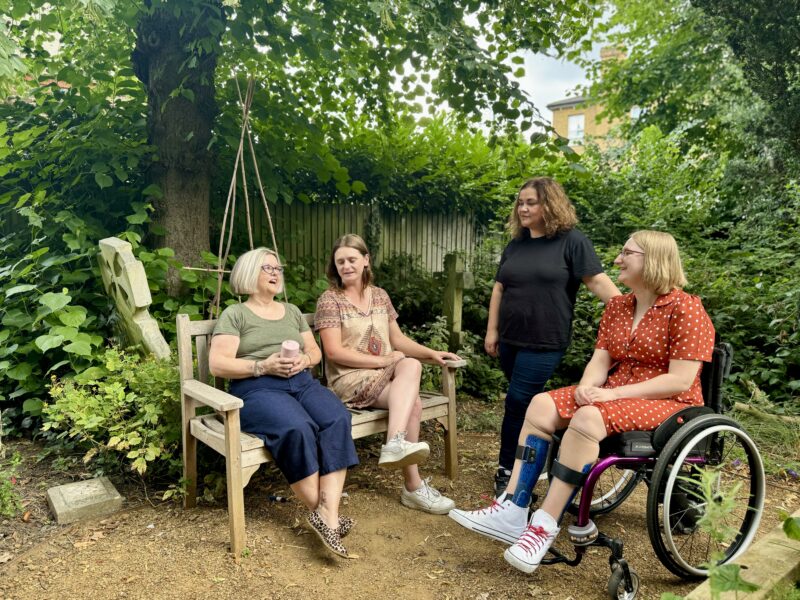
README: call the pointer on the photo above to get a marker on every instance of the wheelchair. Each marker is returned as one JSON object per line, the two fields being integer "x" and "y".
{"x": 671, "y": 461}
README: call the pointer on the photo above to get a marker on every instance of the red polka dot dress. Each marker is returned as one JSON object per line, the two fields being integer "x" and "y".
{"x": 676, "y": 327}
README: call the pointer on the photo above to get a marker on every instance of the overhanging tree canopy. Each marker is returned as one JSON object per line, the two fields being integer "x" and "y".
{"x": 318, "y": 61}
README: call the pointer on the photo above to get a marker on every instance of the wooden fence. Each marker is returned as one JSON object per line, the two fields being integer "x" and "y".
{"x": 309, "y": 230}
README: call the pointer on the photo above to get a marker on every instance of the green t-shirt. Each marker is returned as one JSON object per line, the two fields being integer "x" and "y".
{"x": 260, "y": 338}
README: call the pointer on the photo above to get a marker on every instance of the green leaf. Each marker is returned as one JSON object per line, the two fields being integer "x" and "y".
{"x": 79, "y": 348}
{"x": 72, "y": 316}
{"x": 32, "y": 406}
{"x": 54, "y": 301}
{"x": 727, "y": 578}
{"x": 48, "y": 342}
{"x": 153, "y": 190}
{"x": 91, "y": 374}
{"x": 103, "y": 180}
{"x": 791, "y": 528}
{"x": 20, "y": 372}
{"x": 18, "y": 289}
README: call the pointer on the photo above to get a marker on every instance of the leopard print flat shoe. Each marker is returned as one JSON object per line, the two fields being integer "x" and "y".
{"x": 345, "y": 525}
{"x": 330, "y": 537}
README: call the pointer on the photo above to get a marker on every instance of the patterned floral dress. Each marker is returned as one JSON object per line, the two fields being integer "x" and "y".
{"x": 676, "y": 327}
{"x": 366, "y": 332}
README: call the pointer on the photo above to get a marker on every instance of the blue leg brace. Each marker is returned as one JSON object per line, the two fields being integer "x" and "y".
{"x": 533, "y": 456}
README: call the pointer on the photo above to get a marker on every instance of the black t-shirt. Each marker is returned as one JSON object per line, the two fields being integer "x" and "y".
{"x": 540, "y": 278}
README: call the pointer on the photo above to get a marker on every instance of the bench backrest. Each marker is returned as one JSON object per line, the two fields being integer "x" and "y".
{"x": 194, "y": 341}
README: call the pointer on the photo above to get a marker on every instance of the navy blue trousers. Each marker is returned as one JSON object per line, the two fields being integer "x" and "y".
{"x": 527, "y": 372}
{"x": 304, "y": 425}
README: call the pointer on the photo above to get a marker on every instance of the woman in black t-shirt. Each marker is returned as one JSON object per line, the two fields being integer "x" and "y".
{"x": 533, "y": 300}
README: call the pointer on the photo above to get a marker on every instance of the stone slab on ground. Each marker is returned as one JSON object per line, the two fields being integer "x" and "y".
{"x": 83, "y": 499}
{"x": 772, "y": 560}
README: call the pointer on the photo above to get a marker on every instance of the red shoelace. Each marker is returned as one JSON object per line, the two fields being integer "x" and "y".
{"x": 533, "y": 538}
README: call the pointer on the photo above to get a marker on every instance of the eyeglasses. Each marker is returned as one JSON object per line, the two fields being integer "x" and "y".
{"x": 270, "y": 270}
{"x": 625, "y": 253}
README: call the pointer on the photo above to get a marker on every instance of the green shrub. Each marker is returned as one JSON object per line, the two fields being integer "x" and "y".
{"x": 128, "y": 413}
{"x": 10, "y": 503}
{"x": 416, "y": 294}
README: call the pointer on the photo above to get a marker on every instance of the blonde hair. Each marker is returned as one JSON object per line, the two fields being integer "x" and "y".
{"x": 662, "y": 271}
{"x": 348, "y": 240}
{"x": 557, "y": 210}
{"x": 244, "y": 276}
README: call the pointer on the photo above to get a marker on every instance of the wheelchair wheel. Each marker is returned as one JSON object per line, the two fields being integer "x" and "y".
{"x": 616, "y": 585}
{"x": 677, "y": 510}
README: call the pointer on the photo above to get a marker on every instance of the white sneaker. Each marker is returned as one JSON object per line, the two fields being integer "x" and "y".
{"x": 398, "y": 452}
{"x": 427, "y": 499}
{"x": 533, "y": 544}
{"x": 503, "y": 521}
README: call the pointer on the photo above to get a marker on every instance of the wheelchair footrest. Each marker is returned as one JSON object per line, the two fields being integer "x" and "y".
{"x": 583, "y": 536}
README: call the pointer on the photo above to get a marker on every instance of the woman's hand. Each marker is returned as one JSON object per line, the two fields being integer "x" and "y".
{"x": 279, "y": 367}
{"x": 299, "y": 363}
{"x": 586, "y": 395}
{"x": 491, "y": 342}
{"x": 440, "y": 357}
{"x": 393, "y": 357}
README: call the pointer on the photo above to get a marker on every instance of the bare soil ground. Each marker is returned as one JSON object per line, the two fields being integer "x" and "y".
{"x": 158, "y": 550}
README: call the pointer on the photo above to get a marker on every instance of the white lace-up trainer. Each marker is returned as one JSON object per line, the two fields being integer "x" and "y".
{"x": 398, "y": 452}
{"x": 503, "y": 521}
{"x": 427, "y": 499}
{"x": 533, "y": 544}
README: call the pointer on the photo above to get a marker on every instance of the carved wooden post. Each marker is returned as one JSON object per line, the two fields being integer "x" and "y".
{"x": 125, "y": 281}
{"x": 457, "y": 280}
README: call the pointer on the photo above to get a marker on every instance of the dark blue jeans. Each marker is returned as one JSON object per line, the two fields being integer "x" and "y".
{"x": 527, "y": 372}
{"x": 304, "y": 425}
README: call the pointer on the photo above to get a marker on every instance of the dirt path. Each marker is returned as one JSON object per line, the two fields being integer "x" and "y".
{"x": 166, "y": 552}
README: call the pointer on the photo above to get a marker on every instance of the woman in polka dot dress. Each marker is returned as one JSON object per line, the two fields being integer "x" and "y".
{"x": 645, "y": 367}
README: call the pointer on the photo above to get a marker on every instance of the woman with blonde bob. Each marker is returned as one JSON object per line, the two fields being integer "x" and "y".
{"x": 646, "y": 366}
{"x": 303, "y": 424}
{"x": 533, "y": 301}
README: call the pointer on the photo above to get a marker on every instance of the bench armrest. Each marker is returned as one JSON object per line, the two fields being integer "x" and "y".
{"x": 448, "y": 364}
{"x": 210, "y": 396}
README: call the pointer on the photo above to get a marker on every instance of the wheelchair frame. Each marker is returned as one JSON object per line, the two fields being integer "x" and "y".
{"x": 670, "y": 460}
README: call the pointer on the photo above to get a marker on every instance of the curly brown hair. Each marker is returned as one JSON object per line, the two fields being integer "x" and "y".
{"x": 557, "y": 209}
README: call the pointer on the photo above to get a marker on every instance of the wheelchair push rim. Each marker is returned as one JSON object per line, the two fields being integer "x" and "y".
{"x": 676, "y": 510}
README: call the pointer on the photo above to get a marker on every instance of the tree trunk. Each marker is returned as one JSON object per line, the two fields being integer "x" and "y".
{"x": 175, "y": 57}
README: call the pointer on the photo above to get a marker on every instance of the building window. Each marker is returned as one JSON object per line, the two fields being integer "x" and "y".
{"x": 575, "y": 129}
{"x": 636, "y": 112}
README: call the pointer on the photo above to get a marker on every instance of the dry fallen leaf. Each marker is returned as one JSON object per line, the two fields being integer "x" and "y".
{"x": 26, "y": 516}
{"x": 5, "y": 557}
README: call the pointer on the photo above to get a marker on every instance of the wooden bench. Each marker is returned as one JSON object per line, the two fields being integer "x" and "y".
{"x": 243, "y": 452}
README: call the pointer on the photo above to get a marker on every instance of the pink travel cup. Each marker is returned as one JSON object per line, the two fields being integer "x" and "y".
{"x": 289, "y": 349}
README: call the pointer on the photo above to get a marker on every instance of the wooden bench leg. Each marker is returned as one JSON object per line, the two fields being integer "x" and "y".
{"x": 233, "y": 468}
{"x": 189, "y": 457}
{"x": 451, "y": 435}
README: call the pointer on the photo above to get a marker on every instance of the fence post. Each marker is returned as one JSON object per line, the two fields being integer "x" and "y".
{"x": 456, "y": 281}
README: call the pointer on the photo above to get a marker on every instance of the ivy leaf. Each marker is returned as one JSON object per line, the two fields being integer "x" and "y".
{"x": 48, "y": 342}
